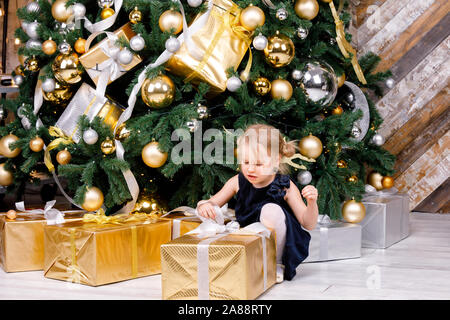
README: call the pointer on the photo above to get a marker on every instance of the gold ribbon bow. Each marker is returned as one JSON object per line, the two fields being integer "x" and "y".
{"x": 344, "y": 46}
{"x": 60, "y": 138}
{"x": 289, "y": 161}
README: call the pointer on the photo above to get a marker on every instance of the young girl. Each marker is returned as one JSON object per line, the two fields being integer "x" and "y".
{"x": 265, "y": 193}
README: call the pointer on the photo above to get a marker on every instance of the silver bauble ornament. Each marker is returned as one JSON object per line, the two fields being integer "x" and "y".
{"x": 48, "y": 85}
{"x": 125, "y": 56}
{"x": 390, "y": 83}
{"x": 202, "y": 111}
{"x": 378, "y": 139}
{"x": 64, "y": 47}
{"x": 281, "y": 14}
{"x": 33, "y": 44}
{"x": 192, "y": 124}
{"x": 24, "y": 24}
{"x": 233, "y": 83}
{"x": 137, "y": 43}
{"x": 33, "y": 6}
{"x": 296, "y": 74}
{"x": 260, "y": 42}
{"x": 172, "y": 44}
{"x": 79, "y": 10}
{"x": 194, "y": 3}
{"x": 105, "y": 3}
{"x": 18, "y": 79}
{"x": 31, "y": 30}
{"x": 302, "y": 33}
{"x": 304, "y": 177}
{"x": 2, "y": 113}
{"x": 356, "y": 132}
{"x": 90, "y": 136}
{"x": 319, "y": 83}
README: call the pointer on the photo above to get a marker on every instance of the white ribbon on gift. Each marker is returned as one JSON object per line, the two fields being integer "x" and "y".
{"x": 371, "y": 191}
{"x": 323, "y": 222}
{"x": 255, "y": 229}
{"x": 52, "y": 215}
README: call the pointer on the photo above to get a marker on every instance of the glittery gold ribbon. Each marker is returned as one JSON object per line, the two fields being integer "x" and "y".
{"x": 289, "y": 161}
{"x": 344, "y": 46}
{"x": 101, "y": 218}
{"x": 60, "y": 138}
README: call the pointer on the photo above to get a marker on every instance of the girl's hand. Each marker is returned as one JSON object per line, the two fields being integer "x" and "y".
{"x": 310, "y": 193}
{"x": 206, "y": 209}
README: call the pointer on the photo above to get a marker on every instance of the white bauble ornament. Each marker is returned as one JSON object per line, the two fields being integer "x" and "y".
{"x": 48, "y": 85}
{"x": 260, "y": 42}
{"x": 18, "y": 79}
{"x": 194, "y": 3}
{"x": 390, "y": 83}
{"x": 90, "y": 136}
{"x": 33, "y": 44}
{"x": 233, "y": 83}
{"x": 172, "y": 44}
{"x": 125, "y": 56}
{"x": 31, "y": 30}
{"x": 137, "y": 43}
{"x": 79, "y": 10}
{"x": 378, "y": 140}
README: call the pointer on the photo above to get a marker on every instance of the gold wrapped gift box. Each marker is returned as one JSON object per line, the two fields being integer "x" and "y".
{"x": 22, "y": 240}
{"x": 95, "y": 59}
{"x": 223, "y": 44}
{"x": 182, "y": 224}
{"x": 96, "y": 254}
{"x": 236, "y": 268}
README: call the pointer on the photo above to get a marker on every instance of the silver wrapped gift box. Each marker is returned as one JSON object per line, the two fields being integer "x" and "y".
{"x": 387, "y": 219}
{"x": 334, "y": 240}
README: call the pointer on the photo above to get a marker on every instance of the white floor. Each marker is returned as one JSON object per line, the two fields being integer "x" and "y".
{"x": 416, "y": 268}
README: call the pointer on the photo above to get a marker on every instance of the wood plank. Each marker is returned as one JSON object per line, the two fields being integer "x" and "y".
{"x": 378, "y": 14}
{"x": 427, "y": 173}
{"x": 362, "y": 9}
{"x": 436, "y": 15}
{"x": 418, "y": 123}
{"x": 425, "y": 139}
{"x": 12, "y": 60}
{"x": 392, "y": 30}
{"x": 438, "y": 201}
{"x": 415, "y": 90}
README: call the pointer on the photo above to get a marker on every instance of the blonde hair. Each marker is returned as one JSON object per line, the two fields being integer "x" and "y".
{"x": 267, "y": 136}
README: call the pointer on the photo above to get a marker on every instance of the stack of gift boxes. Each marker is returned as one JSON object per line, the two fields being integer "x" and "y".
{"x": 95, "y": 249}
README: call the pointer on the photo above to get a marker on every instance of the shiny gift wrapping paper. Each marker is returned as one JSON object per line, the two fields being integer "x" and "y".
{"x": 386, "y": 221}
{"x": 235, "y": 267}
{"x": 98, "y": 254}
{"x": 85, "y": 102}
{"x": 22, "y": 240}
{"x": 219, "y": 44}
{"x": 95, "y": 60}
{"x": 334, "y": 241}
{"x": 182, "y": 224}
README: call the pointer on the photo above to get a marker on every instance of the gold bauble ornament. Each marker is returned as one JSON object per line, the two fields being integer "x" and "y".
{"x": 93, "y": 199}
{"x": 252, "y": 17}
{"x": 169, "y": 20}
{"x": 32, "y": 64}
{"x": 387, "y": 182}
{"x": 106, "y": 13}
{"x": 6, "y": 176}
{"x": 306, "y": 9}
{"x": 352, "y": 179}
{"x": 281, "y": 89}
{"x": 280, "y": 50}
{"x": 19, "y": 70}
{"x": 122, "y": 132}
{"x": 36, "y": 144}
{"x": 49, "y": 47}
{"x": 11, "y": 214}
{"x": 152, "y": 156}
{"x": 310, "y": 146}
{"x": 4, "y": 146}
{"x": 337, "y": 111}
{"x": 80, "y": 46}
{"x": 108, "y": 146}
{"x": 135, "y": 15}
{"x": 60, "y": 12}
{"x": 158, "y": 92}
{"x": 375, "y": 180}
{"x": 63, "y": 157}
{"x": 341, "y": 80}
{"x": 150, "y": 203}
{"x": 262, "y": 86}
{"x": 60, "y": 96}
{"x": 341, "y": 164}
{"x": 353, "y": 211}
{"x": 65, "y": 68}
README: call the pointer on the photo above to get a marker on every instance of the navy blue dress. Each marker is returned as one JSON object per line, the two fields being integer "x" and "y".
{"x": 250, "y": 200}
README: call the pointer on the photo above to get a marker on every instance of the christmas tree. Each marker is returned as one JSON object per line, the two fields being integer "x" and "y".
{"x": 105, "y": 85}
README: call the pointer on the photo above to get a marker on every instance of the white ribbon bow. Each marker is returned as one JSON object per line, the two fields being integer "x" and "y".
{"x": 371, "y": 191}
{"x": 52, "y": 215}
